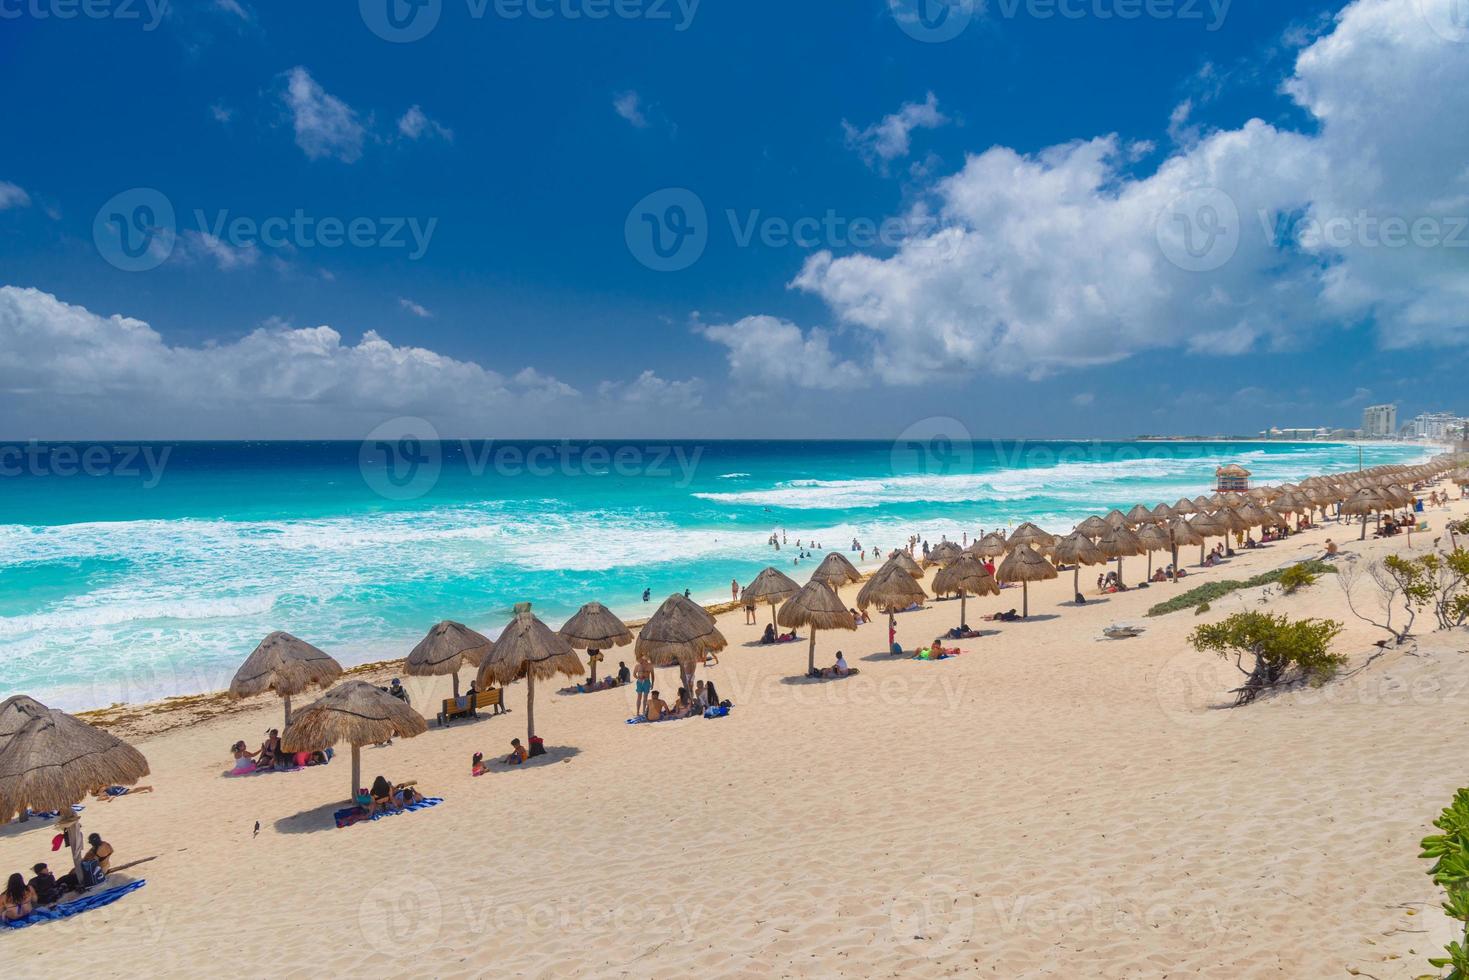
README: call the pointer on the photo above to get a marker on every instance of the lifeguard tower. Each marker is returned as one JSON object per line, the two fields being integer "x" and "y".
{"x": 1232, "y": 479}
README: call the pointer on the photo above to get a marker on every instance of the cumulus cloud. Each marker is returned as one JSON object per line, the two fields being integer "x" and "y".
{"x": 891, "y": 138}
{"x": 80, "y": 374}
{"x": 415, "y": 124}
{"x": 13, "y": 196}
{"x": 1066, "y": 258}
{"x": 200, "y": 245}
{"x": 325, "y": 125}
{"x": 768, "y": 352}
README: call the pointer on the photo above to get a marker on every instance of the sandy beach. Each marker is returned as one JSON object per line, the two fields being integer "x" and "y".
{"x": 1048, "y": 804}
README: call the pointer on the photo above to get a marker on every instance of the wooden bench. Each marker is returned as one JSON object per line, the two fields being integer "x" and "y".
{"x": 489, "y": 698}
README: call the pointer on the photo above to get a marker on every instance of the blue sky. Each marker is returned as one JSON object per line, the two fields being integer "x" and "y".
{"x": 1028, "y": 170}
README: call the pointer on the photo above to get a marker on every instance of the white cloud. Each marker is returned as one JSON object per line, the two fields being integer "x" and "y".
{"x": 628, "y": 106}
{"x": 414, "y": 308}
{"x": 194, "y": 245}
{"x": 236, "y": 8}
{"x": 222, "y": 113}
{"x": 767, "y": 352}
{"x": 13, "y": 196}
{"x": 91, "y": 376}
{"x": 650, "y": 390}
{"x": 325, "y": 125}
{"x": 1052, "y": 260}
{"x": 415, "y": 123}
{"x": 885, "y": 141}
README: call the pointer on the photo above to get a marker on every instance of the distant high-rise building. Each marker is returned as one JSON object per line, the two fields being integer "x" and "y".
{"x": 1435, "y": 425}
{"x": 1379, "y": 421}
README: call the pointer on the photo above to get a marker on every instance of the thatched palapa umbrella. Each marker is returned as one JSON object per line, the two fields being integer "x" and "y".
{"x": 1025, "y": 565}
{"x": 681, "y": 632}
{"x": 1120, "y": 543}
{"x": 772, "y": 586}
{"x": 836, "y": 571}
{"x": 1029, "y": 534}
{"x": 1180, "y": 533}
{"x": 594, "y": 628}
{"x": 891, "y": 589}
{"x": 1093, "y": 527}
{"x": 816, "y": 607}
{"x": 286, "y": 665}
{"x": 905, "y": 561}
{"x": 1078, "y": 549}
{"x": 1153, "y": 538}
{"x": 1139, "y": 515}
{"x": 355, "y": 712}
{"x": 942, "y": 552}
{"x": 1206, "y": 525}
{"x": 50, "y": 760}
{"x": 964, "y": 575}
{"x": 528, "y": 648}
{"x": 1364, "y": 502}
{"x": 448, "y": 648}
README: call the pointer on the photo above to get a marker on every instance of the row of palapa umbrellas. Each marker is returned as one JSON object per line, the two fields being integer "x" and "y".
{"x": 50, "y": 760}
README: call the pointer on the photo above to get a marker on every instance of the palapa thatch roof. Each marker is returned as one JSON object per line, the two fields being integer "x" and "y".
{"x": 286, "y": 665}
{"x": 15, "y": 711}
{"x": 771, "y": 585}
{"x": 904, "y": 561}
{"x": 1079, "y": 549}
{"x": 53, "y": 760}
{"x": 835, "y": 570}
{"x": 1120, "y": 543}
{"x": 1154, "y": 538}
{"x": 1207, "y": 525}
{"x": 594, "y": 627}
{"x": 1183, "y": 532}
{"x": 892, "y": 588}
{"x": 942, "y": 552}
{"x": 1185, "y": 506}
{"x": 965, "y": 574}
{"x": 1163, "y": 513}
{"x": 816, "y": 607}
{"x": 992, "y": 545}
{"x": 448, "y": 648}
{"x": 529, "y": 647}
{"x": 681, "y": 631}
{"x": 1232, "y": 519}
{"x": 1365, "y": 501}
{"x": 1093, "y": 527}
{"x": 354, "y": 712}
{"x": 1140, "y": 515}
{"x": 1029, "y": 534}
{"x": 1025, "y": 565}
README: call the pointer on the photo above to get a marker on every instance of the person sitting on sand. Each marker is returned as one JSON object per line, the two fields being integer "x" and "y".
{"x": 624, "y": 676}
{"x": 701, "y": 697}
{"x": 1160, "y": 576}
{"x": 477, "y": 764}
{"x": 18, "y": 900}
{"x": 268, "y": 754}
{"x": 517, "y": 755}
{"x": 657, "y": 708}
{"x": 858, "y": 618}
{"x": 681, "y": 704}
{"x": 380, "y": 797}
{"x": 711, "y": 695}
{"x": 838, "y": 669}
{"x": 1331, "y": 549}
{"x": 244, "y": 759}
{"x": 48, "y": 892}
{"x": 404, "y": 795}
{"x": 768, "y": 636}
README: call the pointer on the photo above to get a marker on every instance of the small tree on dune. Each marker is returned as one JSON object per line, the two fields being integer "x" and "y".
{"x": 1271, "y": 650}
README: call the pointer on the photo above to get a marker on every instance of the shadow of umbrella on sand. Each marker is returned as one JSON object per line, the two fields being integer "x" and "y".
{"x": 286, "y": 665}
{"x": 355, "y": 712}
{"x": 50, "y": 760}
{"x": 816, "y": 607}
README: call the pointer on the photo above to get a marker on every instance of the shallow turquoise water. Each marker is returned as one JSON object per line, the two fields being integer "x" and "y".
{"x": 156, "y": 571}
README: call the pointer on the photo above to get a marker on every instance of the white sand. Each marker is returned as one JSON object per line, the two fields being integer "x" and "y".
{"x": 1045, "y": 805}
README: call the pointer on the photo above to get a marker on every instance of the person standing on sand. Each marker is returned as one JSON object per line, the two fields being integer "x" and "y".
{"x": 643, "y": 674}
{"x": 734, "y": 590}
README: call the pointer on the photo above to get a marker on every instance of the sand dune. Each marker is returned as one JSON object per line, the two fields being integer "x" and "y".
{"x": 1046, "y": 805}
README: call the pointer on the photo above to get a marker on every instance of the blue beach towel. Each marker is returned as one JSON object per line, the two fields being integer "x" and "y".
{"x": 355, "y": 814}
{"x": 84, "y": 904}
{"x": 52, "y": 814}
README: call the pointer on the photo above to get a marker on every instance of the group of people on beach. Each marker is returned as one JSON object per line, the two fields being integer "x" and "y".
{"x": 271, "y": 756}
{"x": 22, "y": 897}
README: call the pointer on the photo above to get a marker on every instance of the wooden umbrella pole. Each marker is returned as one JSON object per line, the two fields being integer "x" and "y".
{"x": 772, "y": 618}
{"x": 530, "y": 709}
{"x": 811, "y": 654}
{"x": 1024, "y": 600}
{"x": 962, "y": 599}
{"x": 455, "y": 675}
{"x": 1076, "y": 581}
{"x": 288, "y": 712}
{"x": 356, "y": 772}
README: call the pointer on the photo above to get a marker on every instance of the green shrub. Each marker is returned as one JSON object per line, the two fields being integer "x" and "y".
{"x": 1203, "y": 607}
{"x": 1218, "y": 590}
{"x": 1297, "y": 577}
{"x": 1449, "y": 852}
{"x": 1280, "y": 650}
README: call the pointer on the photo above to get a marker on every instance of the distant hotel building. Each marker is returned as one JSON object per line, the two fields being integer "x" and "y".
{"x": 1379, "y": 421}
{"x": 1436, "y": 426}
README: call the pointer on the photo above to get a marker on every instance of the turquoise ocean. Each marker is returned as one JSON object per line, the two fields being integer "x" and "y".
{"x": 132, "y": 572}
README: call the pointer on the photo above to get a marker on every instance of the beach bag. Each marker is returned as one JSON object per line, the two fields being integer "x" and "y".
{"x": 537, "y": 746}
{"x": 92, "y": 874}
{"x": 718, "y": 711}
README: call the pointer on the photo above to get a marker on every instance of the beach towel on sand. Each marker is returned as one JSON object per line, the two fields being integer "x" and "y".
{"x": 356, "y": 814}
{"x": 84, "y": 904}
